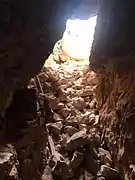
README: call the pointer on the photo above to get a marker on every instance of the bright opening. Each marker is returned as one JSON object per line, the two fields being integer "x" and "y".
{"x": 78, "y": 37}
{"x": 75, "y": 46}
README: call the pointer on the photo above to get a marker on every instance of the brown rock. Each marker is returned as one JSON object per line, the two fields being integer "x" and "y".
{"x": 60, "y": 106}
{"x": 56, "y": 127}
{"x": 92, "y": 104}
{"x": 70, "y": 130}
{"x": 57, "y": 117}
{"x": 79, "y": 103}
{"x": 91, "y": 119}
{"x": 87, "y": 91}
{"x": 87, "y": 117}
{"x": 78, "y": 139}
{"x": 94, "y": 136}
{"x": 53, "y": 102}
{"x": 76, "y": 112}
{"x": 71, "y": 121}
{"x": 89, "y": 176}
{"x": 43, "y": 77}
{"x": 76, "y": 160}
{"x": 70, "y": 91}
{"x": 105, "y": 156}
{"x": 109, "y": 173}
{"x": 82, "y": 126}
{"x": 64, "y": 112}
{"x": 8, "y": 163}
{"x": 64, "y": 138}
{"x": 62, "y": 96}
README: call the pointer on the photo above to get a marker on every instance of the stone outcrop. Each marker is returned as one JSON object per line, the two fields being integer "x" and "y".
{"x": 112, "y": 59}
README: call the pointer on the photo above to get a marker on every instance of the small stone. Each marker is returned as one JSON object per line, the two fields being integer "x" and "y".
{"x": 78, "y": 139}
{"x": 94, "y": 136}
{"x": 57, "y": 117}
{"x": 43, "y": 77}
{"x": 88, "y": 118}
{"x": 63, "y": 81}
{"x": 100, "y": 178}
{"x": 64, "y": 112}
{"x": 92, "y": 104}
{"x": 91, "y": 119}
{"x": 109, "y": 173}
{"x": 77, "y": 159}
{"x": 105, "y": 156}
{"x": 64, "y": 138}
{"x": 70, "y": 130}
{"x": 79, "y": 103}
{"x": 76, "y": 112}
{"x": 56, "y": 127}
{"x": 89, "y": 176}
{"x": 5, "y": 157}
{"x": 60, "y": 106}
{"x": 96, "y": 121}
{"x": 53, "y": 102}
{"x": 62, "y": 96}
{"x": 71, "y": 121}
{"x": 70, "y": 91}
{"x": 82, "y": 126}
{"x": 87, "y": 91}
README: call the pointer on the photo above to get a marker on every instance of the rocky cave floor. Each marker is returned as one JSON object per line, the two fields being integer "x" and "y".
{"x": 64, "y": 139}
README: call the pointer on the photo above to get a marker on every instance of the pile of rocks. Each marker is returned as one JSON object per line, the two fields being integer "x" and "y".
{"x": 74, "y": 140}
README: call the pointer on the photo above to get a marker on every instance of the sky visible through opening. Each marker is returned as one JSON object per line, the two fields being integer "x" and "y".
{"x": 78, "y": 37}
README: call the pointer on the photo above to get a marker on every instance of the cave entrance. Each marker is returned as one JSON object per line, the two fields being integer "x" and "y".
{"x": 73, "y": 50}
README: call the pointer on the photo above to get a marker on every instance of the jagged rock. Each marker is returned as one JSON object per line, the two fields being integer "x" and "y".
{"x": 64, "y": 112}
{"x": 90, "y": 164}
{"x": 43, "y": 77}
{"x": 57, "y": 117}
{"x": 100, "y": 178}
{"x": 60, "y": 105}
{"x": 70, "y": 130}
{"x": 89, "y": 176}
{"x": 77, "y": 159}
{"x": 82, "y": 126}
{"x": 92, "y": 104}
{"x": 96, "y": 121}
{"x": 87, "y": 91}
{"x": 53, "y": 102}
{"x": 78, "y": 139}
{"x": 91, "y": 119}
{"x": 64, "y": 138}
{"x": 88, "y": 118}
{"x": 56, "y": 127}
{"x": 62, "y": 96}
{"x": 104, "y": 156}
{"x": 94, "y": 136}
{"x": 76, "y": 112}
{"x": 70, "y": 91}
{"x": 109, "y": 173}
{"x": 71, "y": 121}
{"x": 8, "y": 163}
{"x": 79, "y": 103}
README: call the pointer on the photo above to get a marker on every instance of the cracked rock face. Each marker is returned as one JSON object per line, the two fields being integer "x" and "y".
{"x": 27, "y": 37}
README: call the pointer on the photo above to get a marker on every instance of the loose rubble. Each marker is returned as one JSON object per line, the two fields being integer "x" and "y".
{"x": 74, "y": 147}
{"x": 74, "y": 130}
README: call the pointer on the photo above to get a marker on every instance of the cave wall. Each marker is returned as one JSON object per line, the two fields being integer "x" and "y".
{"x": 114, "y": 36}
{"x": 112, "y": 59}
{"x": 28, "y": 31}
